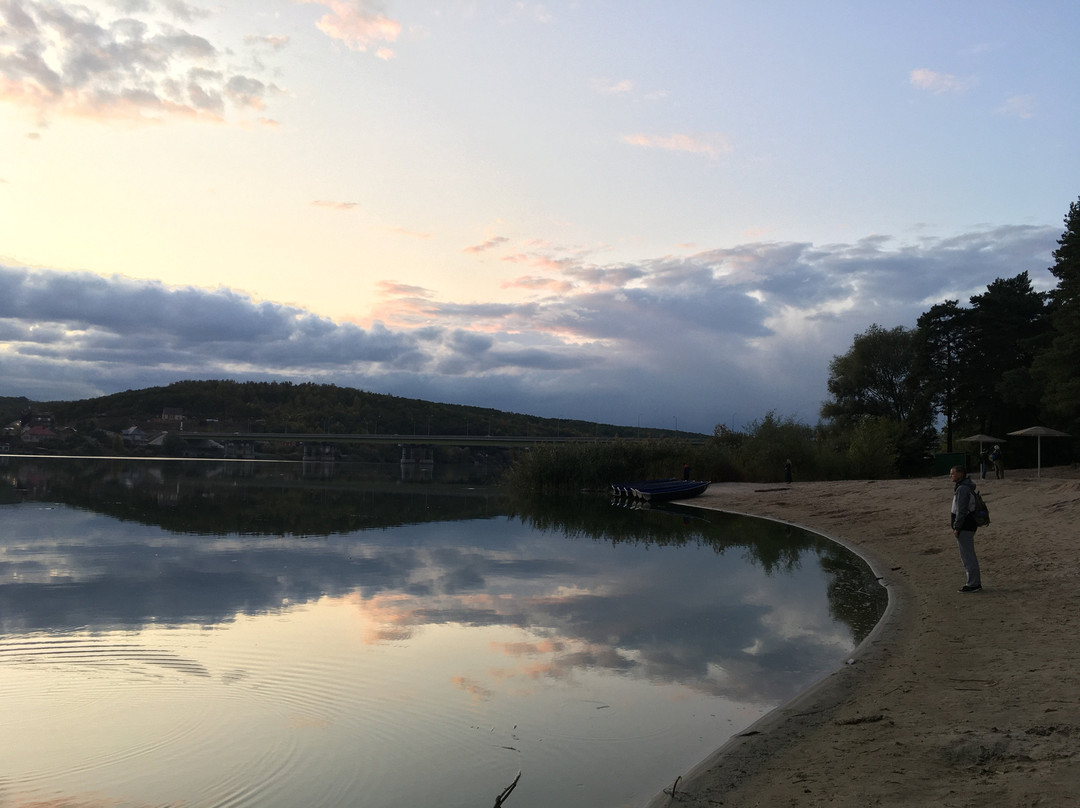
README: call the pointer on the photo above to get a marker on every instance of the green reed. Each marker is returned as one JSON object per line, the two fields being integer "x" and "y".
{"x": 558, "y": 468}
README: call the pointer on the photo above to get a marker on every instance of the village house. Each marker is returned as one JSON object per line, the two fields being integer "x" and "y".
{"x": 133, "y": 436}
{"x": 37, "y": 434}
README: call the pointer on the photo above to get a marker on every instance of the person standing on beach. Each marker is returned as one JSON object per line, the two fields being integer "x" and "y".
{"x": 964, "y": 527}
{"x": 999, "y": 463}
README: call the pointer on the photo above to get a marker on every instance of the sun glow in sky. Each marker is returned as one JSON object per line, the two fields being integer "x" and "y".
{"x": 626, "y": 212}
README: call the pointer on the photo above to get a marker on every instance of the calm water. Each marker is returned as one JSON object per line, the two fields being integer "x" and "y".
{"x": 243, "y": 634}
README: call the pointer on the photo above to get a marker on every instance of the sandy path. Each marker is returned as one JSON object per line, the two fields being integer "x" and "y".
{"x": 956, "y": 699}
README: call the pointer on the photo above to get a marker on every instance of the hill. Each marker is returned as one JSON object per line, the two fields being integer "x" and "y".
{"x": 309, "y": 408}
{"x": 13, "y": 408}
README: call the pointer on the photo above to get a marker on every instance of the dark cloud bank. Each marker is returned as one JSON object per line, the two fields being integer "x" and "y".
{"x": 721, "y": 336}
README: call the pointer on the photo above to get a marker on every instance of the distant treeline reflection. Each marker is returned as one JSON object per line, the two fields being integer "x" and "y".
{"x": 855, "y": 595}
{"x": 290, "y": 499}
{"x": 246, "y": 498}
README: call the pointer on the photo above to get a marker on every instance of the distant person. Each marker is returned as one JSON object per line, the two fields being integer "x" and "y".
{"x": 998, "y": 461}
{"x": 984, "y": 461}
{"x": 964, "y": 527}
{"x": 686, "y": 471}
{"x": 787, "y": 471}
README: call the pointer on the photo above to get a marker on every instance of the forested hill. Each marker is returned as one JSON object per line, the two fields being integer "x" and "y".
{"x": 289, "y": 407}
{"x": 12, "y": 408}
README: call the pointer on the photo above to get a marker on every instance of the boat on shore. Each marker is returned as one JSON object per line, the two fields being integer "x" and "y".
{"x": 660, "y": 490}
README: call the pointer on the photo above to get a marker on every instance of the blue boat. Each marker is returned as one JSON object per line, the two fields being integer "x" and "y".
{"x": 627, "y": 489}
{"x": 662, "y": 490}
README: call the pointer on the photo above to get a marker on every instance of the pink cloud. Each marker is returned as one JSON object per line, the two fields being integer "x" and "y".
{"x": 491, "y": 243}
{"x": 710, "y": 145}
{"x": 935, "y": 82}
{"x": 359, "y": 24}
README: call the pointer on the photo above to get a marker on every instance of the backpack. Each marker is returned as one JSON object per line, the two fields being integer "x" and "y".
{"x": 979, "y": 509}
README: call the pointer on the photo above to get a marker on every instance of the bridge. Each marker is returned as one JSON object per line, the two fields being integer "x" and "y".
{"x": 496, "y": 441}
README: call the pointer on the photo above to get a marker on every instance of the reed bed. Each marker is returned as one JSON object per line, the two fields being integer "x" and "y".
{"x": 559, "y": 468}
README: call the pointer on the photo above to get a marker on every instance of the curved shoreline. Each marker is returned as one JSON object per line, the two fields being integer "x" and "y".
{"x": 952, "y": 699}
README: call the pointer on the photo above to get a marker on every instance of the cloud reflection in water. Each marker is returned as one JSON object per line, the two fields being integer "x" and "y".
{"x": 553, "y": 620}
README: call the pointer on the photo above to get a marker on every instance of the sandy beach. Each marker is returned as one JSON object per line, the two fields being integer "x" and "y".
{"x": 955, "y": 699}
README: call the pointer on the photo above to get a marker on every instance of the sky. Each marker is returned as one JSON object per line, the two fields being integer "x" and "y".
{"x": 665, "y": 214}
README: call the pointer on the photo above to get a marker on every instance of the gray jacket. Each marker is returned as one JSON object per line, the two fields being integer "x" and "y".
{"x": 963, "y": 506}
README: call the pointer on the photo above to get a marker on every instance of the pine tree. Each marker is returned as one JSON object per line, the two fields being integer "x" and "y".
{"x": 1059, "y": 365}
{"x": 939, "y": 334}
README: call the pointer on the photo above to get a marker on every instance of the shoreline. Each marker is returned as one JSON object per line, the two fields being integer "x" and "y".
{"x": 953, "y": 699}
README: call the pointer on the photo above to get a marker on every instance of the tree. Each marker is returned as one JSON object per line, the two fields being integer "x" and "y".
{"x": 875, "y": 381}
{"x": 1005, "y": 327}
{"x": 939, "y": 334}
{"x": 772, "y": 441}
{"x": 874, "y": 377}
{"x": 1058, "y": 367}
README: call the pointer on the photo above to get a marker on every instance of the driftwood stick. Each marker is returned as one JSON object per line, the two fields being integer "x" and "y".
{"x": 506, "y": 792}
{"x": 675, "y": 787}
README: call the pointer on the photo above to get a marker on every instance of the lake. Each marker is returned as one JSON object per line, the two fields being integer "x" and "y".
{"x": 208, "y": 633}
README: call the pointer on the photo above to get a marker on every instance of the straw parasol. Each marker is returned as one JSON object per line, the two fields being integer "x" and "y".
{"x": 1040, "y": 432}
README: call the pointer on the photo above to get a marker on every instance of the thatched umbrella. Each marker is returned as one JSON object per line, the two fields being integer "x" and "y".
{"x": 1040, "y": 432}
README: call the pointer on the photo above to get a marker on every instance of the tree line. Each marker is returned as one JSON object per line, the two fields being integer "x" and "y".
{"x": 307, "y": 407}
{"x": 1007, "y": 360}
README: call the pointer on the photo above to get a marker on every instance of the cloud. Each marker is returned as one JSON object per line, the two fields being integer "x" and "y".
{"x": 747, "y": 329}
{"x": 403, "y": 289}
{"x": 936, "y": 82}
{"x": 606, "y": 87}
{"x": 473, "y": 688}
{"x": 67, "y": 59}
{"x": 710, "y": 145}
{"x": 1018, "y": 106}
{"x": 360, "y": 24}
{"x": 589, "y": 608}
{"x": 271, "y": 41}
{"x": 491, "y": 243}
{"x": 323, "y": 203}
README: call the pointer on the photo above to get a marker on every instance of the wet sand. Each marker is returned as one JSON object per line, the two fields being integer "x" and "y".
{"x": 954, "y": 699}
